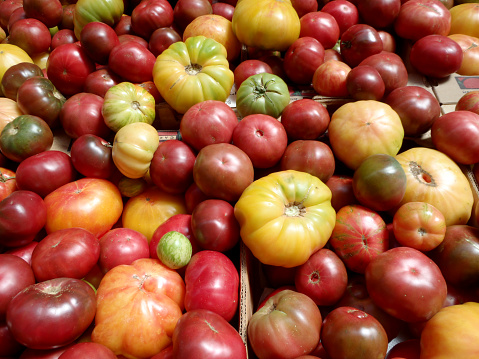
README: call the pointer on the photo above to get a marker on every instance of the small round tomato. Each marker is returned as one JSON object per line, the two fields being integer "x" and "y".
{"x": 419, "y": 225}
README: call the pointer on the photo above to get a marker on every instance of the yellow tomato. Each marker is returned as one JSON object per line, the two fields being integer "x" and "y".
{"x": 434, "y": 178}
{"x": 193, "y": 71}
{"x": 266, "y": 24}
{"x": 465, "y": 19}
{"x": 360, "y": 129}
{"x": 9, "y": 110}
{"x": 285, "y": 217}
{"x": 133, "y": 148}
{"x": 11, "y": 55}
{"x": 470, "y": 51}
{"x": 452, "y": 333}
{"x": 146, "y": 211}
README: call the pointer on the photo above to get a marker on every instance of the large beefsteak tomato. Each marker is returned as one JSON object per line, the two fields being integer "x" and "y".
{"x": 285, "y": 217}
{"x": 193, "y": 71}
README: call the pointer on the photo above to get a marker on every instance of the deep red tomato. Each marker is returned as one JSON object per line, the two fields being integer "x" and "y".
{"x": 193, "y": 196}
{"x": 202, "y": 333}
{"x": 360, "y": 234}
{"x": 406, "y": 284}
{"x": 55, "y": 253}
{"x": 150, "y": 15}
{"x": 341, "y": 187}
{"x": 212, "y": 283}
{"x": 345, "y": 12}
{"x": 45, "y": 172}
{"x": 347, "y": 330}
{"x": 302, "y": 58}
{"x": 322, "y": 26}
{"x": 68, "y": 66}
{"x": 91, "y": 156}
{"x": 52, "y": 313}
{"x": 24, "y": 252}
{"x": 379, "y": 14}
{"x": 9, "y": 347}
{"x": 63, "y": 36}
{"x": 98, "y": 39}
{"x": 359, "y": 42}
{"x": 6, "y": 9}
{"x": 67, "y": 18}
{"x": 15, "y": 275}
{"x": 161, "y": 39}
{"x": 186, "y": 11}
{"x": 38, "y": 96}
{"x": 248, "y": 68}
{"x": 171, "y": 167}
{"x": 49, "y": 12}
{"x": 365, "y": 83}
{"x": 16, "y": 75}
{"x": 223, "y": 9}
{"x": 31, "y": 35}
{"x": 132, "y": 61}
{"x": 8, "y": 182}
{"x": 408, "y": 349}
{"x": 22, "y": 215}
{"x": 305, "y": 119}
{"x": 90, "y": 349}
{"x": 99, "y": 81}
{"x": 214, "y": 225}
{"x": 262, "y": 137}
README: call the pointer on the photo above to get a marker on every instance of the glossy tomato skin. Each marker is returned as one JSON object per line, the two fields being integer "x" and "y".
{"x": 48, "y": 12}
{"x": 38, "y": 96}
{"x": 329, "y": 79}
{"x": 16, "y": 274}
{"x": 365, "y": 83}
{"x": 348, "y": 332}
{"x": 98, "y": 39}
{"x": 359, "y": 42}
{"x": 31, "y": 35}
{"x": 67, "y": 67}
{"x": 99, "y": 81}
{"x": 132, "y": 61}
{"x": 303, "y": 58}
{"x": 94, "y": 204}
{"x": 341, "y": 187}
{"x": 305, "y": 119}
{"x": 54, "y": 167}
{"x": 16, "y": 75}
{"x": 406, "y": 284}
{"x": 470, "y": 51}
{"x": 212, "y": 283}
{"x": 322, "y": 26}
{"x": 171, "y": 167}
{"x": 360, "y": 235}
{"x": 293, "y": 317}
{"x": 248, "y": 68}
{"x": 22, "y": 215}
{"x": 214, "y": 225}
{"x": 79, "y": 350}
{"x": 55, "y": 253}
{"x": 91, "y": 156}
{"x": 345, "y": 12}
{"x": 161, "y": 39}
{"x": 63, "y": 36}
{"x": 8, "y": 182}
{"x": 380, "y": 14}
{"x": 64, "y": 307}
{"x": 9, "y": 347}
{"x": 201, "y": 333}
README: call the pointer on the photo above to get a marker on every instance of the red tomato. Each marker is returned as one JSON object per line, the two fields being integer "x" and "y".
{"x": 8, "y": 182}
{"x": 322, "y": 26}
{"x": 161, "y": 39}
{"x": 201, "y": 333}
{"x": 359, "y": 42}
{"x": 98, "y": 39}
{"x": 47, "y": 11}
{"x": 91, "y": 156}
{"x": 379, "y": 14}
{"x": 329, "y": 79}
{"x": 212, "y": 283}
{"x": 248, "y": 68}
{"x": 132, "y": 61}
{"x": 305, "y": 119}
{"x": 302, "y": 58}
{"x": 52, "y": 313}
{"x": 31, "y": 35}
{"x": 360, "y": 235}
{"x": 94, "y": 204}
{"x": 98, "y": 82}
{"x": 406, "y": 284}
{"x": 345, "y": 12}
{"x": 341, "y": 187}
{"x": 408, "y": 349}
{"x": 90, "y": 349}
{"x": 9, "y": 347}
{"x": 365, "y": 83}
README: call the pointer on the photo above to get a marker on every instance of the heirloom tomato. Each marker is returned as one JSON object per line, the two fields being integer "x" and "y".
{"x": 133, "y": 148}
{"x": 8, "y": 182}
{"x": 464, "y": 18}
{"x": 285, "y": 217}
{"x": 376, "y": 123}
{"x": 452, "y": 333}
{"x": 126, "y": 103}
{"x": 16, "y": 75}
{"x": 193, "y": 71}
{"x": 9, "y": 110}
{"x": 11, "y": 55}
{"x": 107, "y": 11}
{"x": 266, "y": 24}
{"x": 142, "y": 300}
{"x": 470, "y": 51}
{"x": 148, "y": 210}
{"x": 263, "y": 93}
{"x": 435, "y": 178}
{"x": 94, "y": 204}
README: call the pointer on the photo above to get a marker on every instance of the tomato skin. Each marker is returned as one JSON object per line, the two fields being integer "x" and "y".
{"x": 91, "y": 156}
{"x": 107, "y": 11}
{"x": 52, "y": 313}
{"x": 133, "y": 61}
{"x": 16, "y": 75}
{"x": 8, "y": 182}
{"x": 11, "y": 55}
{"x": 464, "y": 19}
{"x": 470, "y": 50}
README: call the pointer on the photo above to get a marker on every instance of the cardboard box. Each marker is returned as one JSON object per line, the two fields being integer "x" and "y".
{"x": 449, "y": 90}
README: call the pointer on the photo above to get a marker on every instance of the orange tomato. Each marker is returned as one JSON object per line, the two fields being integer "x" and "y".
{"x": 470, "y": 50}
{"x": 8, "y": 183}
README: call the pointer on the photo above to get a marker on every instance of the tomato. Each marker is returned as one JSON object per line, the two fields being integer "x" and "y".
{"x": 360, "y": 234}
{"x": 39, "y": 97}
{"x": 9, "y": 110}
{"x": 305, "y": 119}
{"x": 98, "y": 39}
{"x": 286, "y": 317}
{"x": 161, "y": 39}
{"x": 359, "y": 42}
{"x": 67, "y": 67}
{"x": 434, "y": 178}
{"x": 16, "y": 75}
{"x": 132, "y": 61}
{"x": 330, "y": 77}
{"x": 126, "y": 103}
{"x": 380, "y": 14}
{"x": 186, "y": 11}
{"x": 94, "y": 204}
{"x": 133, "y": 148}
{"x": 365, "y": 83}
{"x": 379, "y": 182}
{"x": 25, "y": 136}
{"x": 212, "y": 283}
{"x": 263, "y": 93}
{"x": 470, "y": 51}
{"x": 419, "y": 225}
{"x": 201, "y": 333}
{"x": 464, "y": 19}
{"x": 348, "y": 333}
{"x": 266, "y": 24}
{"x": 406, "y": 284}
{"x": 52, "y": 313}
{"x": 96, "y": 350}
{"x": 147, "y": 16}
{"x": 107, "y": 11}
{"x": 321, "y": 26}
{"x": 11, "y": 55}
{"x": 440, "y": 338}
{"x": 248, "y": 68}
{"x": 31, "y": 35}
{"x": 193, "y": 71}
{"x": 98, "y": 82}
{"x": 144, "y": 299}
{"x": 375, "y": 122}
{"x": 148, "y": 210}
{"x": 8, "y": 182}
{"x": 285, "y": 217}
{"x": 48, "y": 12}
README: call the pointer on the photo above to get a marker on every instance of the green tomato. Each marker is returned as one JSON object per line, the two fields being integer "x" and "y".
{"x": 86, "y": 11}
{"x": 174, "y": 250}
{"x": 264, "y": 94}
{"x": 25, "y": 136}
